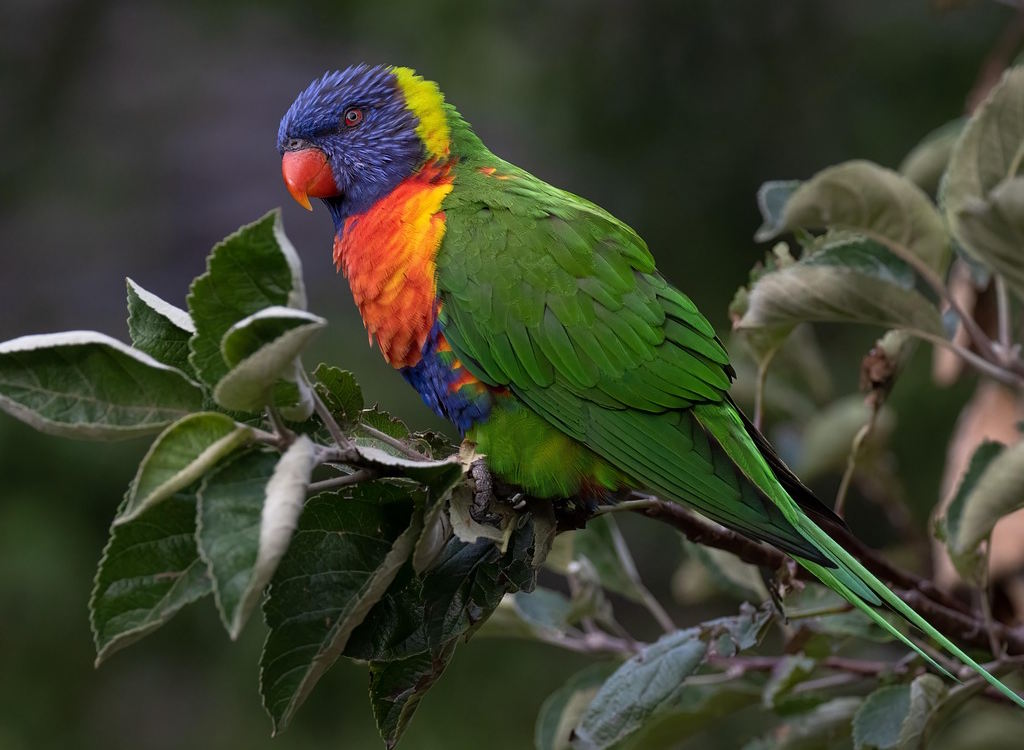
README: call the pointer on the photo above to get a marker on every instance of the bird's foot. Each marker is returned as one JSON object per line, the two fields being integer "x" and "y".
{"x": 483, "y": 494}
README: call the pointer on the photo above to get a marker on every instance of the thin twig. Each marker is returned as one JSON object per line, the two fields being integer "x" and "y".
{"x": 851, "y": 461}
{"x": 759, "y": 386}
{"x": 597, "y": 642}
{"x": 627, "y": 505}
{"x": 995, "y": 371}
{"x": 362, "y": 475}
{"x": 629, "y": 568}
{"x": 393, "y": 442}
{"x": 326, "y": 417}
{"x": 806, "y": 614}
{"x": 986, "y": 603}
{"x": 1004, "y": 324}
{"x": 261, "y": 436}
{"x": 930, "y": 277}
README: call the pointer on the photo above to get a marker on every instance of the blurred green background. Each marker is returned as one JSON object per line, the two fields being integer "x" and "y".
{"x": 137, "y": 134}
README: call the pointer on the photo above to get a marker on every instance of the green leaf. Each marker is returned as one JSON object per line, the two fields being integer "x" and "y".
{"x": 452, "y": 599}
{"x": 181, "y": 455}
{"x": 868, "y": 199}
{"x": 993, "y": 230}
{"x": 437, "y": 530}
{"x": 762, "y": 343}
{"x": 598, "y": 543}
{"x": 829, "y": 434}
{"x": 772, "y": 198}
{"x": 384, "y": 422}
{"x": 158, "y": 328}
{"x": 694, "y": 708}
{"x": 998, "y": 491}
{"x": 340, "y": 392}
{"x": 347, "y": 550}
{"x": 948, "y": 529}
{"x": 927, "y": 161}
{"x": 727, "y": 573}
{"x": 439, "y": 475}
{"x": 825, "y": 727}
{"x": 927, "y": 693}
{"x": 988, "y": 152}
{"x": 650, "y": 682}
{"x": 397, "y": 687}
{"x": 878, "y": 721}
{"x": 425, "y": 616}
{"x": 561, "y": 711}
{"x": 149, "y": 570}
{"x": 248, "y": 509}
{"x": 260, "y": 350}
{"x": 254, "y": 268}
{"x": 791, "y": 670}
{"x": 851, "y": 280}
{"x": 836, "y": 623}
{"x": 543, "y": 609}
{"x": 638, "y": 689}
{"x": 87, "y": 385}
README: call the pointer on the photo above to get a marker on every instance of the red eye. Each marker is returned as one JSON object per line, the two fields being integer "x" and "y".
{"x": 353, "y": 116}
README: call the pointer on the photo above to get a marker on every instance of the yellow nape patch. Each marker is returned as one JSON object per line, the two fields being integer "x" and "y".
{"x": 425, "y": 101}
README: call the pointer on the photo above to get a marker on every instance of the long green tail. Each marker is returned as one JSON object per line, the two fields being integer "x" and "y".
{"x": 850, "y": 579}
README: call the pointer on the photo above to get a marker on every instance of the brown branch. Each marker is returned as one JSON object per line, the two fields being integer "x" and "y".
{"x": 949, "y": 616}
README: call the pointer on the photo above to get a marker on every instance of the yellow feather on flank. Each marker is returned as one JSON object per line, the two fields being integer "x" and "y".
{"x": 425, "y": 101}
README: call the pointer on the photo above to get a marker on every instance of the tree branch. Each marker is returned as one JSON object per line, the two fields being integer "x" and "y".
{"x": 945, "y": 613}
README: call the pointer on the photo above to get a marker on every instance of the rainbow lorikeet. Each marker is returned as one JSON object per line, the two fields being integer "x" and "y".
{"x": 537, "y": 323}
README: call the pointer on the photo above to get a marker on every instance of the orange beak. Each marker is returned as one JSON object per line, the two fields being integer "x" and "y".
{"x": 307, "y": 173}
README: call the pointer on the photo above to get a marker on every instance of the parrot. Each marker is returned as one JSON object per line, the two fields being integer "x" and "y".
{"x": 538, "y": 324}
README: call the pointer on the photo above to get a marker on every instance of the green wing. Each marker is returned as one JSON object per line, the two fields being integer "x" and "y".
{"x": 548, "y": 295}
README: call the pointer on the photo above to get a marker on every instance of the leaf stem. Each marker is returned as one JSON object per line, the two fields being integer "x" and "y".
{"x": 283, "y": 436}
{"x": 327, "y": 418}
{"x": 393, "y": 442}
{"x": 596, "y": 642}
{"x": 986, "y": 604}
{"x": 995, "y": 371}
{"x": 362, "y": 475}
{"x": 851, "y": 461}
{"x": 977, "y": 335}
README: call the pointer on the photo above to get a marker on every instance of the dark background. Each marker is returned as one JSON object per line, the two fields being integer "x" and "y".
{"x": 136, "y": 134}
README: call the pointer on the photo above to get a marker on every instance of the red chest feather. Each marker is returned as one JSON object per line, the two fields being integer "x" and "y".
{"x": 387, "y": 254}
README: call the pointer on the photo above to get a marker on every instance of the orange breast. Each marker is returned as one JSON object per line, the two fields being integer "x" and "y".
{"x": 387, "y": 254}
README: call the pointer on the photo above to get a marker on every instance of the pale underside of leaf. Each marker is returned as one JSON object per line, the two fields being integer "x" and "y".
{"x": 174, "y": 315}
{"x": 833, "y": 294}
{"x": 181, "y": 455}
{"x": 998, "y": 492}
{"x": 864, "y": 197}
{"x": 285, "y": 494}
{"x": 247, "y": 385}
{"x": 994, "y": 230}
{"x": 88, "y": 385}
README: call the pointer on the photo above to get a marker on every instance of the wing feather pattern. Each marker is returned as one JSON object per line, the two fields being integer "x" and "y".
{"x": 548, "y": 295}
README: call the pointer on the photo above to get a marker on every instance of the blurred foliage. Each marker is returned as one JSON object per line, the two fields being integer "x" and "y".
{"x": 126, "y": 116}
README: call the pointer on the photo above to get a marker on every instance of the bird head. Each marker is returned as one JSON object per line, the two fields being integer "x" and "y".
{"x": 351, "y": 136}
